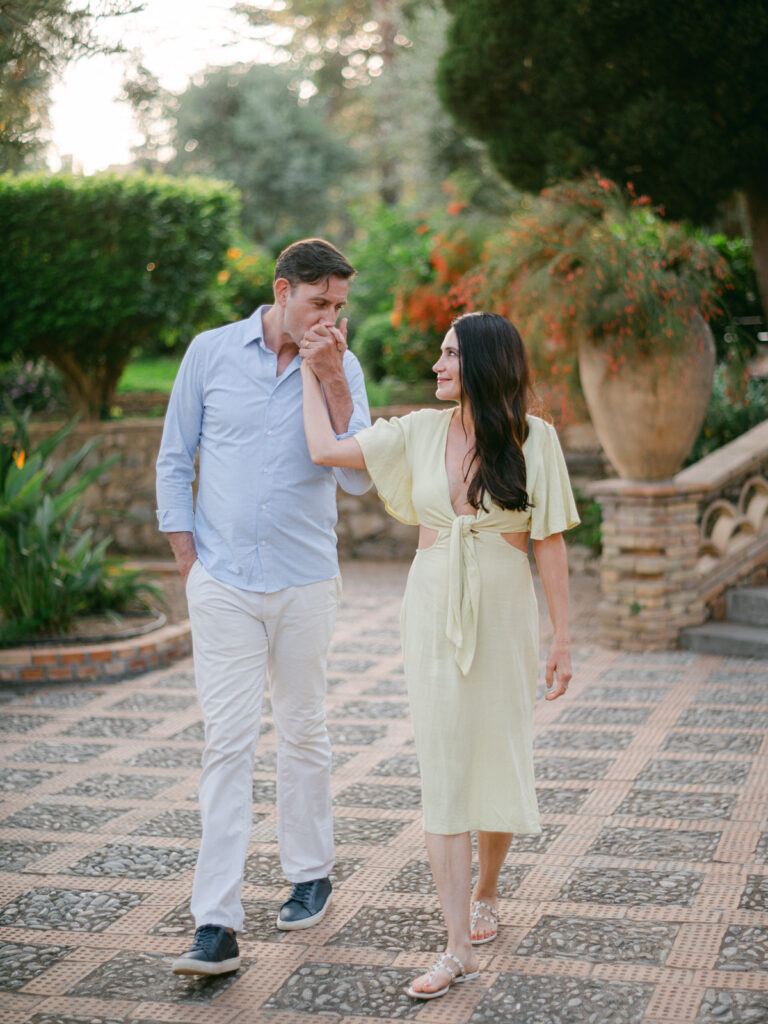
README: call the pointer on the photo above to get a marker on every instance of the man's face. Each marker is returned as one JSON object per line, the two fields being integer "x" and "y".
{"x": 306, "y": 305}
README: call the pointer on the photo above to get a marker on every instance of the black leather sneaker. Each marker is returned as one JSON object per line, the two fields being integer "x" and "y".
{"x": 306, "y": 906}
{"x": 214, "y": 951}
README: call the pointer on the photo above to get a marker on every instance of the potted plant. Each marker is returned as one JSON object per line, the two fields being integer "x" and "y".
{"x": 595, "y": 277}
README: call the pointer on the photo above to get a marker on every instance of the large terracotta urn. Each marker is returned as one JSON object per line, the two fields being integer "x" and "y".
{"x": 648, "y": 412}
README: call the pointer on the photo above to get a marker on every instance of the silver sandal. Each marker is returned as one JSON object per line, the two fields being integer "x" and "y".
{"x": 477, "y": 907}
{"x": 454, "y": 977}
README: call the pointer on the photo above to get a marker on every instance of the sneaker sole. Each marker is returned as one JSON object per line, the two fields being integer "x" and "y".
{"x": 306, "y": 922}
{"x": 182, "y": 966}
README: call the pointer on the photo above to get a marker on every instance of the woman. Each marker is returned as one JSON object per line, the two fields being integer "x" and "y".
{"x": 478, "y": 478}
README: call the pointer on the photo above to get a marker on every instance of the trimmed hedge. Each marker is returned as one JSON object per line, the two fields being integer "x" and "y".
{"x": 91, "y": 268}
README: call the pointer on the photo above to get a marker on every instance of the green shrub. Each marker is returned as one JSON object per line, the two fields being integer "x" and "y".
{"x": 368, "y": 346}
{"x": 589, "y": 532}
{"x": 50, "y": 571}
{"x": 410, "y": 353}
{"x": 93, "y": 268}
{"x": 394, "y": 248}
{"x": 245, "y": 282}
{"x": 734, "y": 408}
{"x": 737, "y": 324}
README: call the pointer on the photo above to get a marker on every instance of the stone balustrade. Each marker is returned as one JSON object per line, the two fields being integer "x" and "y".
{"x": 672, "y": 547}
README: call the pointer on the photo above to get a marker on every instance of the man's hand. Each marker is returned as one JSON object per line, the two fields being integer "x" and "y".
{"x": 183, "y": 547}
{"x": 323, "y": 347}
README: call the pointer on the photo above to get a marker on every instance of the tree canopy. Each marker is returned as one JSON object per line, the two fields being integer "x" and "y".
{"x": 671, "y": 97}
{"x": 338, "y": 43}
{"x": 243, "y": 123}
{"x": 348, "y": 52}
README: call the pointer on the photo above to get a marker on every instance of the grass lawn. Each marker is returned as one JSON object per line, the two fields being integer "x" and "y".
{"x": 150, "y": 375}
{"x": 158, "y": 374}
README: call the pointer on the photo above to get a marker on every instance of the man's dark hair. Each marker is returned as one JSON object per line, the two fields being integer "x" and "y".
{"x": 311, "y": 260}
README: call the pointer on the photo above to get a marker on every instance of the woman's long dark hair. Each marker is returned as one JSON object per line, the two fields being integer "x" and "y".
{"x": 495, "y": 383}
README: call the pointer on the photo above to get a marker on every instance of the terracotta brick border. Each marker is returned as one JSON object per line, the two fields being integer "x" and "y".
{"x": 113, "y": 661}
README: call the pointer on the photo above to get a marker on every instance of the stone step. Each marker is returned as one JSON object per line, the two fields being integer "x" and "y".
{"x": 729, "y": 638}
{"x": 748, "y": 605}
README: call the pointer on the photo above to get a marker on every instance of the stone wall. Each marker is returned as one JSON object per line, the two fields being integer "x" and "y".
{"x": 129, "y": 487}
{"x": 364, "y": 528}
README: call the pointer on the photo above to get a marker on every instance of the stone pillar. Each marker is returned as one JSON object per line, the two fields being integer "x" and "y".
{"x": 649, "y": 584}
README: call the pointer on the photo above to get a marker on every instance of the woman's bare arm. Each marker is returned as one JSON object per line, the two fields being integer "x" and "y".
{"x": 552, "y": 560}
{"x": 325, "y": 449}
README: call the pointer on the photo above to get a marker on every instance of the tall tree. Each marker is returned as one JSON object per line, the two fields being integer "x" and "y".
{"x": 338, "y": 44}
{"x": 150, "y": 104}
{"x": 37, "y": 39}
{"x": 340, "y": 47}
{"x": 670, "y": 96}
{"x": 243, "y": 124}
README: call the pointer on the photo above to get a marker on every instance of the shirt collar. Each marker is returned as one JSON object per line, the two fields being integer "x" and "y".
{"x": 254, "y": 328}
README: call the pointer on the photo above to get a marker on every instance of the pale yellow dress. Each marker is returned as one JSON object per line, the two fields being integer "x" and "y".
{"x": 469, "y": 623}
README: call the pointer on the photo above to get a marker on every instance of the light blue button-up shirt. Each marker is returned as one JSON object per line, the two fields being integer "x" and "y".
{"x": 265, "y": 514}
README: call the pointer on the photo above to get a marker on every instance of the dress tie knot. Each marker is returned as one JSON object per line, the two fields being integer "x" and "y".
{"x": 463, "y": 591}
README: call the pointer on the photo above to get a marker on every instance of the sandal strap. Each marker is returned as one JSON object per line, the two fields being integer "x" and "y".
{"x": 459, "y": 964}
{"x": 477, "y": 914}
{"x": 442, "y": 965}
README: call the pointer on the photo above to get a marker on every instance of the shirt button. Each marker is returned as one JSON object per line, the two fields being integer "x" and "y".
{"x": 269, "y": 433}
{"x": 263, "y": 543}
{"x": 263, "y": 507}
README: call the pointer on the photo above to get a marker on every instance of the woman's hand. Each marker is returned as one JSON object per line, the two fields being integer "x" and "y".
{"x": 325, "y": 449}
{"x": 552, "y": 560}
{"x": 323, "y": 347}
{"x": 558, "y": 671}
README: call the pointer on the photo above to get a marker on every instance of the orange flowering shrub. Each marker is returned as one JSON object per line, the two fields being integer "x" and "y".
{"x": 584, "y": 261}
{"x": 245, "y": 281}
{"x": 587, "y": 261}
{"x": 424, "y": 310}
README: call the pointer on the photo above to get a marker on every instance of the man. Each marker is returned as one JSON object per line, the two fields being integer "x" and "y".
{"x": 259, "y": 560}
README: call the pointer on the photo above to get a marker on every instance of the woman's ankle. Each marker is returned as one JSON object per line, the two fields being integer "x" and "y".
{"x": 485, "y": 896}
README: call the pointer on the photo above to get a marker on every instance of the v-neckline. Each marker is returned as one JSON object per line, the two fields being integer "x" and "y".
{"x": 456, "y": 515}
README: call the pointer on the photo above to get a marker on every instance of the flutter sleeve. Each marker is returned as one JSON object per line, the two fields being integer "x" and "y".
{"x": 385, "y": 449}
{"x": 554, "y": 507}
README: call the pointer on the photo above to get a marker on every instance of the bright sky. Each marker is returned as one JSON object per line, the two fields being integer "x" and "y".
{"x": 177, "y": 38}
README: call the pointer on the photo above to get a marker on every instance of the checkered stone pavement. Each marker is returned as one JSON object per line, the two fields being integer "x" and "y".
{"x": 643, "y": 901}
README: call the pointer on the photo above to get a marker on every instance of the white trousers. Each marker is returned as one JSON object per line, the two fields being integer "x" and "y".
{"x": 239, "y": 640}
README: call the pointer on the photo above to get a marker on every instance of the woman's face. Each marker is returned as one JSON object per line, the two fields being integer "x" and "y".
{"x": 448, "y": 369}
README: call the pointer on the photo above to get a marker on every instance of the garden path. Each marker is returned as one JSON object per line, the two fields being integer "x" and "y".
{"x": 643, "y": 901}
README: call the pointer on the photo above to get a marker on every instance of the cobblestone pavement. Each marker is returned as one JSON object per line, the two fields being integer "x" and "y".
{"x": 643, "y": 900}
